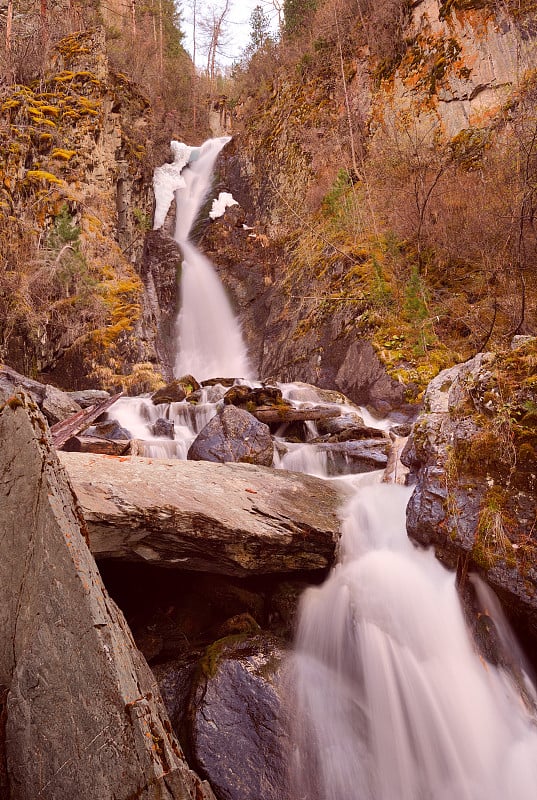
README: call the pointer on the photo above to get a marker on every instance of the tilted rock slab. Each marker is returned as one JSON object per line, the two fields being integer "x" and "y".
{"x": 84, "y": 717}
{"x": 232, "y": 519}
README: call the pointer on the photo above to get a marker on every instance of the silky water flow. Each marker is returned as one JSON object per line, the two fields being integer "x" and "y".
{"x": 388, "y": 697}
{"x": 209, "y": 337}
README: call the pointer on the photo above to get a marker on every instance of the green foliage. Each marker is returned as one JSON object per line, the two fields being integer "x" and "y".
{"x": 380, "y": 293}
{"x": 336, "y": 201}
{"x": 143, "y": 221}
{"x": 415, "y": 305}
{"x": 64, "y": 231}
{"x": 259, "y": 28}
{"x": 297, "y": 13}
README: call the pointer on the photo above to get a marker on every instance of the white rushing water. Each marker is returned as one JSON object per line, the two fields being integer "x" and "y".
{"x": 389, "y": 698}
{"x": 209, "y": 337}
{"x": 392, "y": 701}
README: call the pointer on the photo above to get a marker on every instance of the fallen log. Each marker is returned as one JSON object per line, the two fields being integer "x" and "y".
{"x": 96, "y": 444}
{"x": 63, "y": 431}
{"x": 271, "y": 414}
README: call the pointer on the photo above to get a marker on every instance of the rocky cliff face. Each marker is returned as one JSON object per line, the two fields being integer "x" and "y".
{"x": 341, "y": 166}
{"x": 75, "y": 205}
{"x": 465, "y": 61}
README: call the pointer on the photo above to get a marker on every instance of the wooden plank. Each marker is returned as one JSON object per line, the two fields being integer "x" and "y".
{"x": 63, "y": 431}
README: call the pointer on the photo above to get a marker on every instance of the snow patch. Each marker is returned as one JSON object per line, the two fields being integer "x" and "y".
{"x": 223, "y": 201}
{"x": 168, "y": 178}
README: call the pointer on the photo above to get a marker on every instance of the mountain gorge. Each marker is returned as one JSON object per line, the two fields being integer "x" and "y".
{"x": 178, "y": 626}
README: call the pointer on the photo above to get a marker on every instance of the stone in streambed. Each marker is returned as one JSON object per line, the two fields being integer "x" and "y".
{"x": 354, "y": 457}
{"x": 237, "y": 733}
{"x": 233, "y": 435}
{"x": 109, "y": 429}
{"x": 176, "y": 391}
{"x": 164, "y": 428}
{"x": 97, "y": 444}
{"x": 248, "y": 398}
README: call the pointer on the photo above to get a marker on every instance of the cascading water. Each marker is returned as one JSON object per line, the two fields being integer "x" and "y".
{"x": 209, "y": 337}
{"x": 391, "y": 700}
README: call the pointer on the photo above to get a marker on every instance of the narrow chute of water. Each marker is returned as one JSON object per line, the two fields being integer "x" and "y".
{"x": 209, "y": 338}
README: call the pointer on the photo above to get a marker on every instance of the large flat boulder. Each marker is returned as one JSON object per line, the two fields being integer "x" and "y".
{"x": 83, "y": 718}
{"x": 232, "y": 519}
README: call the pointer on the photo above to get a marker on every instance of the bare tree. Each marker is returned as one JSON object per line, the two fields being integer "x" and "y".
{"x": 275, "y": 7}
{"x": 9, "y": 25}
{"x": 213, "y": 26}
{"x": 133, "y": 17}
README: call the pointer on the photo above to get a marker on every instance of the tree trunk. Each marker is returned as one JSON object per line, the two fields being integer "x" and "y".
{"x": 9, "y": 25}
{"x": 133, "y": 17}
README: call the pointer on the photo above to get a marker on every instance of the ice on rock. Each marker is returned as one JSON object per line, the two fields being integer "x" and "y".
{"x": 220, "y": 203}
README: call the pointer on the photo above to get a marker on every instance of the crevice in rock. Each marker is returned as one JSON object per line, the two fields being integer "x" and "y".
{"x": 4, "y": 779}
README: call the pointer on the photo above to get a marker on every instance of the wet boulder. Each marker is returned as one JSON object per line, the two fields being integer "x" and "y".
{"x": 229, "y": 519}
{"x": 346, "y": 458}
{"x": 250, "y": 398}
{"x": 109, "y": 429}
{"x": 208, "y": 394}
{"x": 238, "y": 739}
{"x": 165, "y": 428}
{"x": 233, "y": 435}
{"x": 176, "y": 391}
{"x": 108, "y": 438}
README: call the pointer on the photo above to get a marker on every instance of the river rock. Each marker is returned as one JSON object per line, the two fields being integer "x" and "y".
{"x": 230, "y": 519}
{"x": 164, "y": 428}
{"x": 176, "y": 390}
{"x": 84, "y": 718}
{"x": 248, "y": 398}
{"x": 88, "y": 397}
{"x": 352, "y": 457}
{"x": 97, "y": 444}
{"x": 238, "y": 738}
{"x": 55, "y": 404}
{"x": 233, "y": 435}
{"x": 208, "y": 394}
{"x": 109, "y": 429}
{"x": 473, "y": 455}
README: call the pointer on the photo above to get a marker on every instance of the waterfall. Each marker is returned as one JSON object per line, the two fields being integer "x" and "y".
{"x": 209, "y": 337}
{"x": 391, "y": 700}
